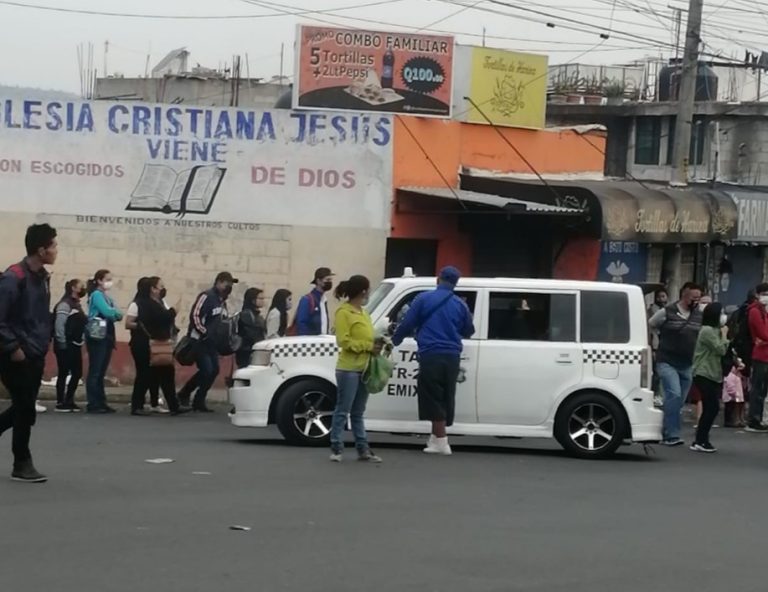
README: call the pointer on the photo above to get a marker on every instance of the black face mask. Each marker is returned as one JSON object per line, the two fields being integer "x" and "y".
{"x": 163, "y": 293}
{"x": 227, "y": 290}
{"x": 82, "y": 293}
{"x": 327, "y": 286}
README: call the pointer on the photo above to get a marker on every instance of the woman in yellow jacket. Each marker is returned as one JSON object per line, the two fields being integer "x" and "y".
{"x": 356, "y": 340}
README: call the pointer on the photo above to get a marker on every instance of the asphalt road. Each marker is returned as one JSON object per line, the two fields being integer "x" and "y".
{"x": 497, "y": 516}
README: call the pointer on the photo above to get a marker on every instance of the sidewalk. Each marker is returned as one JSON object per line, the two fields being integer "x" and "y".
{"x": 119, "y": 394}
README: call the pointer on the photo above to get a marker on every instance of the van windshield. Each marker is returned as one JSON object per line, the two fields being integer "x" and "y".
{"x": 377, "y": 296}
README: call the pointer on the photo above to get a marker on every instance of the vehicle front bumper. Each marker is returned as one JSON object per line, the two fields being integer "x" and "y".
{"x": 251, "y": 395}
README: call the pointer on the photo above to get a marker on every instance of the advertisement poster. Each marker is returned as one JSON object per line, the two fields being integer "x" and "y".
{"x": 354, "y": 70}
{"x": 509, "y": 87}
{"x": 173, "y": 163}
{"x": 623, "y": 262}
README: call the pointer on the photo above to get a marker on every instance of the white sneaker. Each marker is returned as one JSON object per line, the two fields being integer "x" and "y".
{"x": 39, "y": 408}
{"x": 438, "y": 446}
{"x": 336, "y": 457}
{"x": 159, "y": 409}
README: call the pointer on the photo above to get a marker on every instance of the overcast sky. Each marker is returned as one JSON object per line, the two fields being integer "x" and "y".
{"x": 39, "y": 47}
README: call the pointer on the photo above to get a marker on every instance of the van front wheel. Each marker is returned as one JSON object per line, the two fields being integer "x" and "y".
{"x": 591, "y": 425}
{"x": 304, "y": 413}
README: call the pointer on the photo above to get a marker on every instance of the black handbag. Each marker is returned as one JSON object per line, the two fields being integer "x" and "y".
{"x": 185, "y": 351}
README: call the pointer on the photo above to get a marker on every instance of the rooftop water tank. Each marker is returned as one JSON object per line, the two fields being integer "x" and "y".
{"x": 669, "y": 83}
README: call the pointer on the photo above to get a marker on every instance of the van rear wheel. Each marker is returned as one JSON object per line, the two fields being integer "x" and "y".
{"x": 304, "y": 413}
{"x": 590, "y": 425}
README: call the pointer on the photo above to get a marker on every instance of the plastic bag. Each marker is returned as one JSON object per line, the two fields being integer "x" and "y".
{"x": 378, "y": 373}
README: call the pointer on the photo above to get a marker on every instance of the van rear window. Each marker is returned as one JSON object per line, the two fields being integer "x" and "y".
{"x": 604, "y": 317}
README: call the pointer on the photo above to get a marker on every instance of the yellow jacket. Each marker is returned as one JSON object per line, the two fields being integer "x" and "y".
{"x": 355, "y": 336}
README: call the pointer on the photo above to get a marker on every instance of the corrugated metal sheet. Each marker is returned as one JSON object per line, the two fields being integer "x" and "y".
{"x": 494, "y": 201}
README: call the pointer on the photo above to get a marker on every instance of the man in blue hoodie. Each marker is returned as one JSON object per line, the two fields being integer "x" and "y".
{"x": 25, "y": 334}
{"x": 440, "y": 320}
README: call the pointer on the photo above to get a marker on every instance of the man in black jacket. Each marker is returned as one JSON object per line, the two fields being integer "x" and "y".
{"x": 25, "y": 334}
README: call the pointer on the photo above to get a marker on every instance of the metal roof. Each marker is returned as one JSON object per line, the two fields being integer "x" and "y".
{"x": 495, "y": 201}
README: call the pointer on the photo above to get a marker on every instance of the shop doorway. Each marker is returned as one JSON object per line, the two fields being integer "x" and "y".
{"x": 419, "y": 254}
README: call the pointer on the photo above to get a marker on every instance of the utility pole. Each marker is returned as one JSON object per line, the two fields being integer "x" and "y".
{"x": 687, "y": 96}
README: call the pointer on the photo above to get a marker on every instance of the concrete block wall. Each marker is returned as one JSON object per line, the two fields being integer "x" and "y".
{"x": 189, "y": 257}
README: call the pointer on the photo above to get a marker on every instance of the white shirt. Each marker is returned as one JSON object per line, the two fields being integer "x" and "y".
{"x": 133, "y": 310}
{"x": 324, "y": 326}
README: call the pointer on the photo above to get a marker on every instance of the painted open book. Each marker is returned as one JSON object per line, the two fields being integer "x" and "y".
{"x": 163, "y": 189}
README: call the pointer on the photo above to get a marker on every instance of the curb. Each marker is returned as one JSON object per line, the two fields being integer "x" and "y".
{"x": 119, "y": 395}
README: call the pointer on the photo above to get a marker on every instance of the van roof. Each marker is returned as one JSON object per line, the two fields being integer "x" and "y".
{"x": 522, "y": 283}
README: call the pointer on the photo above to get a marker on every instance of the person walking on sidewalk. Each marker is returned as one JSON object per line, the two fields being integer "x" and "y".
{"x": 355, "y": 338}
{"x": 312, "y": 312}
{"x": 25, "y": 334}
{"x": 277, "y": 318}
{"x": 156, "y": 321}
{"x": 711, "y": 346}
{"x": 69, "y": 329}
{"x": 678, "y": 325}
{"x": 252, "y": 326}
{"x": 758, "y": 330}
{"x": 208, "y": 309}
{"x": 440, "y": 320}
{"x": 139, "y": 346}
{"x": 100, "y": 339}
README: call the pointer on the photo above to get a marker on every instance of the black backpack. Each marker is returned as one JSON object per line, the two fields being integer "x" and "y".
{"x": 738, "y": 333}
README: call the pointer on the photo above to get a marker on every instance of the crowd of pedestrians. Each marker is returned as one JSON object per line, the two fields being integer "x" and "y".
{"x": 705, "y": 357}
{"x": 86, "y": 316}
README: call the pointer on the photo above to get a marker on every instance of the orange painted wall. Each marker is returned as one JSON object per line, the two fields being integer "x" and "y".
{"x": 449, "y": 145}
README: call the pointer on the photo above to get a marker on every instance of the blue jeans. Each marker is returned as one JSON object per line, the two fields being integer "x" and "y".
{"x": 99, "y": 355}
{"x": 202, "y": 381}
{"x": 351, "y": 399}
{"x": 675, "y": 382}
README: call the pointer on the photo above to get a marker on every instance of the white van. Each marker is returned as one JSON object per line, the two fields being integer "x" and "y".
{"x": 549, "y": 358}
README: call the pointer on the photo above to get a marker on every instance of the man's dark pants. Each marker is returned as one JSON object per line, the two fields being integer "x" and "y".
{"x": 22, "y": 379}
{"x": 436, "y": 387}
{"x": 202, "y": 381}
{"x": 758, "y": 391}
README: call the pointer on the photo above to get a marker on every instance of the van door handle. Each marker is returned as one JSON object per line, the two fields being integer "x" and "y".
{"x": 564, "y": 359}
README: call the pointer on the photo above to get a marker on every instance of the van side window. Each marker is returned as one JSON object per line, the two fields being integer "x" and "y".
{"x": 604, "y": 317}
{"x": 399, "y": 310}
{"x": 519, "y": 316}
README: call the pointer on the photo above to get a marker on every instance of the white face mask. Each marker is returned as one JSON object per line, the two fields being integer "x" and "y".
{"x": 108, "y": 285}
{"x": 723, "y": 319}
{"x": 764, "y": 300}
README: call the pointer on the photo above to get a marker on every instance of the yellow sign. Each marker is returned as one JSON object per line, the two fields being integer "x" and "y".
{"x": 509, "y": 87}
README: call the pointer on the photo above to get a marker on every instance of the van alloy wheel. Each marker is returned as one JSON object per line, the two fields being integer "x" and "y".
{"x": 313, "y": 413}
{"x": 591, "y": 427}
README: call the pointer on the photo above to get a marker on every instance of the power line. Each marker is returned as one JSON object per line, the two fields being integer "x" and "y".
{"x": 181, "y": 16}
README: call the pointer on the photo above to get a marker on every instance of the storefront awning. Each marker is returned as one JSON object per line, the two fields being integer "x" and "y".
{"x": 487, "y": 203}
{"x": 630, "y": 211}
{"x": 753, "y": 214}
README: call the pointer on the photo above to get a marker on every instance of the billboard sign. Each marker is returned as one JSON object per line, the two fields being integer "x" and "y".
{"x": 350, "y": 69}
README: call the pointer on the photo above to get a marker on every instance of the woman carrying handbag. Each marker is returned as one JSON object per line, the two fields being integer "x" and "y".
{"x": 157, "y": 322}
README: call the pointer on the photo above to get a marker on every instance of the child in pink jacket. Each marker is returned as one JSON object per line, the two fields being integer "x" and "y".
{"x": 733, "y": 398}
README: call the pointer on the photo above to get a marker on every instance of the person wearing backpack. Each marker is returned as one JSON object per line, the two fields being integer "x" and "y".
{"x": 208, "y": 311}
{"x": 758, "y": 330}
{"x": 25, "y": 335}
{"x": 440, "y": 320}
{"x": 252, "y": 327}
{"x": 312, "y": 312}
{"x": 68, "y": 339}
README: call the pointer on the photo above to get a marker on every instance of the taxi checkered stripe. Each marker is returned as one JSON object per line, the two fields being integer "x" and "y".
{"x": 612, "y": 356}
{"x": 305, "y": 350}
